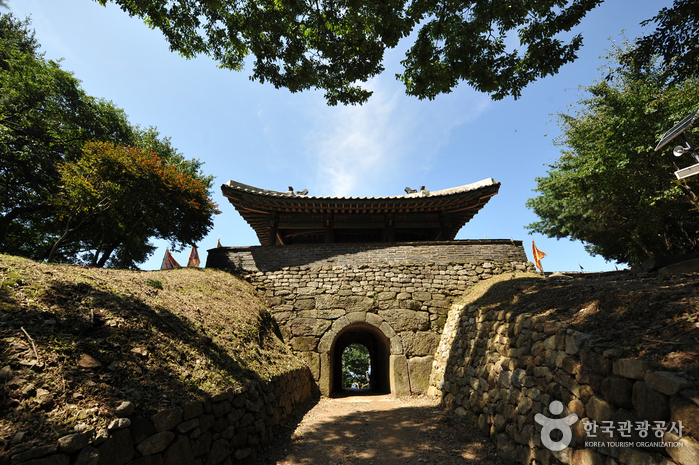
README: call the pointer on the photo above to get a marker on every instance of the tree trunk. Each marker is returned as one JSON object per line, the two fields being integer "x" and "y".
{"x": 107, "y": 253}
{"x": 66, "y": 232}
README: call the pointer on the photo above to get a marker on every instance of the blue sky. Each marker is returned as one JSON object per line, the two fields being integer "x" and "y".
{"x": 270, "y": 138}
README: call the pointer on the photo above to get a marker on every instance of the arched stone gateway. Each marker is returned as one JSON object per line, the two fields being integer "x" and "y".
{"x": 379, "y": 348}
{"x": 372, "y": 331}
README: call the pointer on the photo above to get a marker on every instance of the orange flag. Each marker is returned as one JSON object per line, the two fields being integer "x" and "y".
{"x": 193, "y": 261}
{"x": 538, "y": 255}
{"x": 169, "y": 261}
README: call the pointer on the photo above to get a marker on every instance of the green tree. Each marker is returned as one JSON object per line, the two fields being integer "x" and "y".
{"x": 335, "y": 45}
{"x": 356, "y": 362}
{"x": 609, "y": 189}
{"x": 44, "y": 119}
{"x": 675, "y": 40}
{"x": 127, "y": 195}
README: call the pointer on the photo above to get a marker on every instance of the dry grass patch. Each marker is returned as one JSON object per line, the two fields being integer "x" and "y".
{"x": 102, "y": 336}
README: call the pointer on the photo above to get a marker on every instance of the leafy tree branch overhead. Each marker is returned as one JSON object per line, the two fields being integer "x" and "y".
{"x": 336, "y": 45}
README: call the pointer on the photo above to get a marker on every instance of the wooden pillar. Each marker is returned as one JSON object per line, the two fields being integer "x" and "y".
{"x": 273, "y": 225}
{"x": 329, "y": 228}
{"x": 389, "y": 227}
{"x": 444, "y": 225}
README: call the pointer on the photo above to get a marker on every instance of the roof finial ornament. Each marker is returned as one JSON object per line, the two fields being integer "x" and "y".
{"x": 424, "y": 192}
{"x": 408, "y": 190}
{"x": 290, "y": 191}
{"x": 303, "y": 192}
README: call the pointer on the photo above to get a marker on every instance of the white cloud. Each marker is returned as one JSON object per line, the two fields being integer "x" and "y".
{"x": 358, "y": 150}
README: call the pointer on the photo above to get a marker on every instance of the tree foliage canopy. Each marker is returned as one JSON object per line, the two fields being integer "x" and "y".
{"x": 130, "y": 193}
{"x": 45, "y": 120}
{"x": 609, "y": 189}
{"x": 335, "y": 44}
{"x": 675, "y": 40}
{"x": 356, "y": 362}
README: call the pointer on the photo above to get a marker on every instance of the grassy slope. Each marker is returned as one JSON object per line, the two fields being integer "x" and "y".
{"x": 160, "y": 338}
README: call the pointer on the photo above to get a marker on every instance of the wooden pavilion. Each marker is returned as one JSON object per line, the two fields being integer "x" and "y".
{"x": 284, "y": 218}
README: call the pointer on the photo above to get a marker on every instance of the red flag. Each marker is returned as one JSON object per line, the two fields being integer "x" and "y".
{"x": 538, "y": 255}
{"x": 169, "y": 261}
{"x": 193, "y": 261}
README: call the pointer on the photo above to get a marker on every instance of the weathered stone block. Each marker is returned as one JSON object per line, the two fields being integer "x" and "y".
{"x": 587, "y": 457}
{"x": 635, "y": 457}
{"x": 687, "y": 453}
{"x": 358, "y": 304}
{"x": 666, "y": 382}
{"x": 356, "y": 317}
{"x": 220, "y": 450}
{"x": 192, "y": 409}
{"x": 326, "y": 341}
{"x": 651, "y": 405}
{"x": 88, "y": 456}
{"x": 156, "y": 443}
{"x": 167, "y": 419}
{"x": 201, "y": 445}
{"x": 396, "y": 345}
{"x": 505, "y": 379}
{"x": 326, "y": 302}
{"x": 117, "y": 450}
{"x": 304, "y": 343}
{"x": 57, "y": 459}
{"x": 632, "y": 368}
{"x": 309, "y": 326}
{"x": 599, "y": 410}
{"x": 73, "y": 442}
{"x": 687, "y": 412}
{"x": 419, "y": 343}
{"x": 618, "y": 391}
{"x": 419, "y": 369}
{"x": 179, "y": 452}
{"x": 148, "y": 460}
{"x": 399, "y": 376}
{"x": 406, "y": 320}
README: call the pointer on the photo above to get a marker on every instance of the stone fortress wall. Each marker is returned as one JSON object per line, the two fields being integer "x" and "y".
{"x": 503, "y": 369}
{"x": 396, "y": 294}
{"x": 227, "y": 428}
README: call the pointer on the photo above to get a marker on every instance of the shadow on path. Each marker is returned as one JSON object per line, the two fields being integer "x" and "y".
{"x": 380, "y": 430}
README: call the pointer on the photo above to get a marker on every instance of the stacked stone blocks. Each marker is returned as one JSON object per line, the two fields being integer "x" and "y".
{"x": 227, "y": 428}
{"x": 403, "y": 289}
{"x": 502, "y": 369}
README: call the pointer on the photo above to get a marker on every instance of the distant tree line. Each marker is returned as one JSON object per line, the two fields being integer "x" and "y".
{"x": 78, "y": 182}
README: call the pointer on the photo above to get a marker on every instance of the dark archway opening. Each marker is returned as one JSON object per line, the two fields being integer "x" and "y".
{"x": 379, "y": 349}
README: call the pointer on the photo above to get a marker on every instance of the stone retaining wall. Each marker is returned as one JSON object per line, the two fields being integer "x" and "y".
{"x": 225, "y": 429}
{"x": 503, "y": 369}
{"x": 400, "y": 293}
{"x": 259, "y": 258}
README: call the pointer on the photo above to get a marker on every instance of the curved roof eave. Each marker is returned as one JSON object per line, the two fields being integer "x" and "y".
{"x": 238, "y": 186}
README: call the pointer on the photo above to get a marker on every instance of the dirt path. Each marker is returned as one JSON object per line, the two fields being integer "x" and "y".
{"x": 379, "y": 430}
